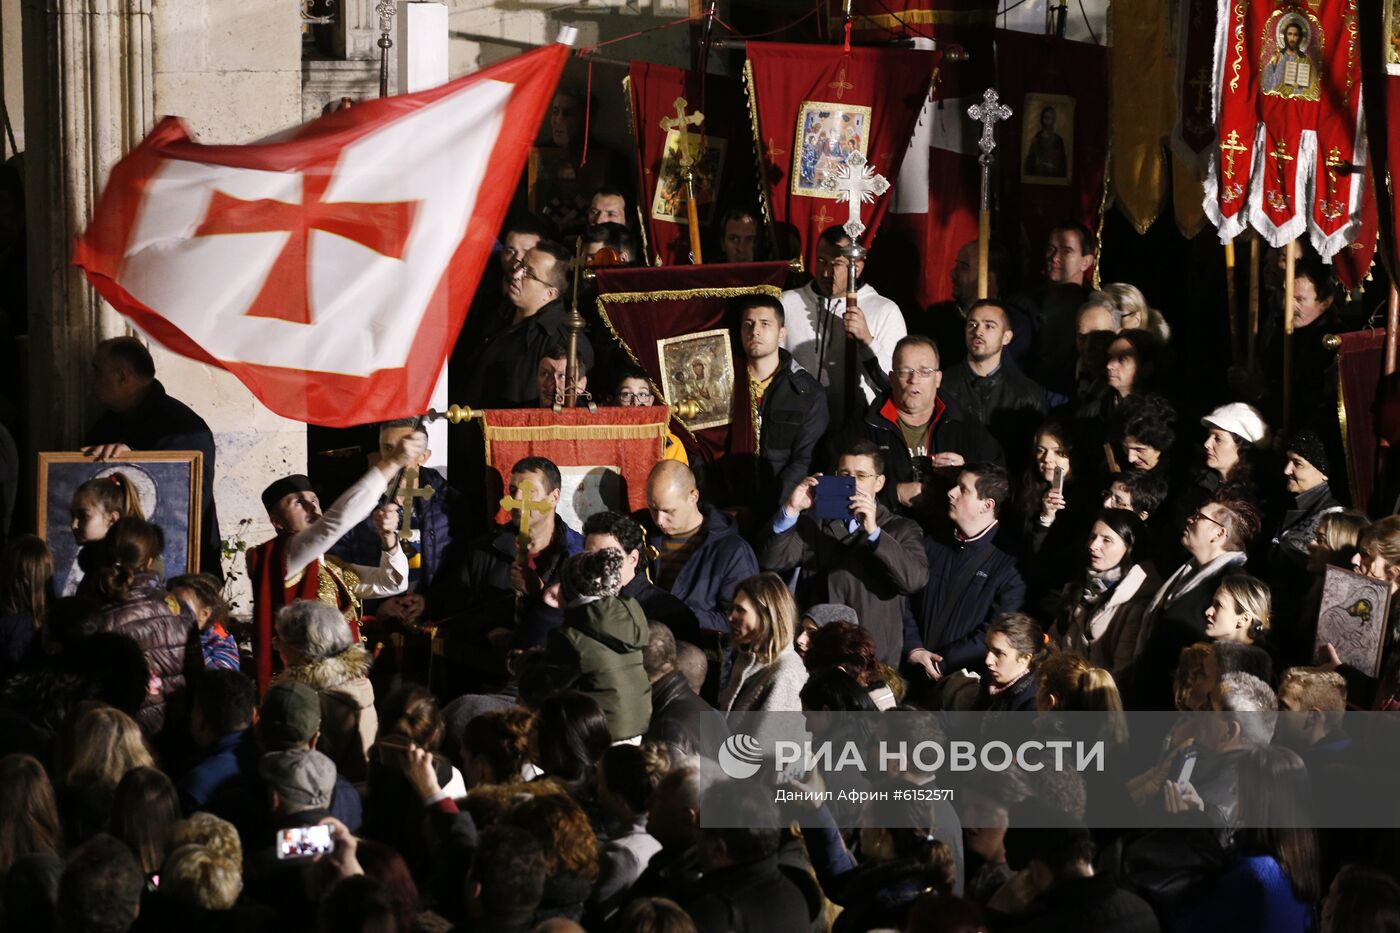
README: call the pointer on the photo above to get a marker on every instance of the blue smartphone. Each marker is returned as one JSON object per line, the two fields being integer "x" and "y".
{"x": 831, "y": 500}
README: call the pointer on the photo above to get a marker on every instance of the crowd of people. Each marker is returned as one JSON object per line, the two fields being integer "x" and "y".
{"x": 512, "y": 727}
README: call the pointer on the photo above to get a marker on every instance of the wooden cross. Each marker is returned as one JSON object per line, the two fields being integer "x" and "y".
{"x": 856, "y": 183}
{"x": 1202, "y": 84}
{"x": 841, "y": 85}
{"x": 525, "y": 504}
{"x": 414, "y": 491}
{"x": 1230, "y": 146}
{"x": 682, "y": 122}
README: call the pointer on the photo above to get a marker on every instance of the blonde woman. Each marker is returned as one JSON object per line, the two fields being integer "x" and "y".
{"x": 107, "y": 744}
{"x": 1133, "y": 312}
{"x": 766, "y": 674}
{"x": 1240, "y": 610}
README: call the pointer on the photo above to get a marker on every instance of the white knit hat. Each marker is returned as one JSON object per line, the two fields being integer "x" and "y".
{"x": 1239, "y": 419}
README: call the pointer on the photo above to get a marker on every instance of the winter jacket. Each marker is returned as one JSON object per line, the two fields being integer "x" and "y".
{"x": 793, "y": 417}
{"x": 681, "y": 718}
{"x": 1106, "y": 634}
{"x": 505, "y": 365}
{"x": 1008, "y": 403}
{"x": 1019, "y": 696}
{"x": 957, "y": 629}
{"x": 488, "y": 595}
{"x": 349, "y": 722}
{"x": 658, "y": 605}
{"x": 719, "y": 563}
{"x": 950, "y": 432}
{"x": 598, "y": 651}
{"x": 875, "y": 578}
{"x": 761, "y": 896}
{"x": 1299, "y": 527}
{"x": 754, "y": 686}
{"x": 438, "y": 519}
{"x": 168, "y": 637}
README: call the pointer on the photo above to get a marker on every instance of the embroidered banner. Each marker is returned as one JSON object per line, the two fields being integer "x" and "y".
{"x": 1288, "y": 108}
{"x": 722, "y": 149}
{"x": 646, "y": 309}
{"x": 812, "y": 106}
{"x": 1380, "y": 60}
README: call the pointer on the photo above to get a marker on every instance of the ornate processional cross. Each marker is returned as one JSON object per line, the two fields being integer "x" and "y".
{"x": 525, "y": 504}
{"x": 682, "y": 122}
{"x": 988, "y": 113}
{"x": 413, "y": 491}
{"x": 856, "y": 183}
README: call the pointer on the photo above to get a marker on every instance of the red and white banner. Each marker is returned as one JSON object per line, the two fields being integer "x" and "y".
{"x": 329, "y": 268}
{"x": 1288, "y": 109}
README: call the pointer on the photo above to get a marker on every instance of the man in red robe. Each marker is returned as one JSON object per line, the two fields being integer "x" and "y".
{"x": 293, "y": 565}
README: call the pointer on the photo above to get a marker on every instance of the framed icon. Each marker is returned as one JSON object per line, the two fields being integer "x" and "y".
{"x": 698, "y": 368}
{"x": 827, "y": 134}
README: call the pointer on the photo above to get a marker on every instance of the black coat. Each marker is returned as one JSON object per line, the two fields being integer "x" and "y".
{"x": 1008, "y": 403}
{"x": 959, "y": 633}
{"x": 160, "y": 422}
{"x": 794, "y": 417}
{"x": 681, "y": 718}
{"x": 505, "y": 368}
{"x": 488, "y": 596}
{"x": 661, "y": 606}
{"x": 755, "y": 897}
{"x": 951, "y": 433}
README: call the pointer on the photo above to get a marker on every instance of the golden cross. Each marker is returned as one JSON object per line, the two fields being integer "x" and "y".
{"x": 1230, "y": 146}
{"x": 682, "y": 121}
{"x": 1202, "y": 84}
{"x": 823, "y": 218}
{"x": 774, "y": 153}
{"x": 525, "y": 504}
{"x": 1280, "y": 155}
{"x": 841, "y": 85}
{"x": 414, "y": 491}
{"x": 1334, "y": 162}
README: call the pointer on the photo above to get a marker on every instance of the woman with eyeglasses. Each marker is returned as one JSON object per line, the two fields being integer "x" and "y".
{"x": 1104, "y": 606}
{"x": 634, "y": 391}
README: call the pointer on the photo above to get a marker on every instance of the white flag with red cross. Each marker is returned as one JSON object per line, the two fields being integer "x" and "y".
{"x": 331, "y": 268}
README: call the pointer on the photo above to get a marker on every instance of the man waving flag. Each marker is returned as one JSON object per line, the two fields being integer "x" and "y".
{"x": 329, "y": 268}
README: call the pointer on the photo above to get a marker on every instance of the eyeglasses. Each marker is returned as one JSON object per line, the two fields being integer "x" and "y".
{"x": 527, "y": 272}
{"x": 922, "y": 374}
{"x": 861, "y": 475}
{"x": 1201, "y": 516}
{"x": 626, "y": 397}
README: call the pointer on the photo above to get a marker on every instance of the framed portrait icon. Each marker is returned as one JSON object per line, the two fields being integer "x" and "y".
{"x": 699, "y": 368}
{"x": 1047, "y": 140}
{"x": 168, "y": 483}
{"x": 827, "y": 134}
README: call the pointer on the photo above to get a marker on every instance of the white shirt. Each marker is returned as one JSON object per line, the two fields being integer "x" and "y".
{"x": 816, "y": 338}
{"x": 354, "y": 506}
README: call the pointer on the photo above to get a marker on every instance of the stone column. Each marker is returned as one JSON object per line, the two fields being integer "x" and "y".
{"x": 88, "y": 97}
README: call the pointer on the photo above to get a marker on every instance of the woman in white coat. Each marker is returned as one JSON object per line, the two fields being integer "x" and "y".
{"x": 1104, "y": 605}
{"x": 766, "y": 674}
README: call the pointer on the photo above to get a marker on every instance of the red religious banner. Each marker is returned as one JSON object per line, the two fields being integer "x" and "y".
{"x": 674, "y": 324}
{"x": 935, "y": 205}
{"x": 330, "y": 268}
{"x": 813, "y": 107}
{"x": 603, "y": 456}
{"x": 720, "y": 146}
{"x": 1363, "y": 420}
{"x": 1053, "y": 151}
{"x": 1288, "y": 109}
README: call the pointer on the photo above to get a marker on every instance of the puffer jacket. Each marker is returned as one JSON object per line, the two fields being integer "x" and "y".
{"x": 168, "y": 637}
{"x": 348, "y": 720}
{"x": 598, "y": 651}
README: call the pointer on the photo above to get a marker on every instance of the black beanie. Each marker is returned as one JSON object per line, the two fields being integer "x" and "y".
{"x": 1307, "y": 444}
{"x": 285, "y": 486}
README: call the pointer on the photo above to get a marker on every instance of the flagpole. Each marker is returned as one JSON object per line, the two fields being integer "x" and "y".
{"x": 385, "y": 10}
{"x": 1252, "y": 334}
{"x": 988, "y": 113}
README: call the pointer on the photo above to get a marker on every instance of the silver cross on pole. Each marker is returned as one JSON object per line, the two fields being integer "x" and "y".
{"x": 856, "y": 183}
{"x": 988, "y": 113}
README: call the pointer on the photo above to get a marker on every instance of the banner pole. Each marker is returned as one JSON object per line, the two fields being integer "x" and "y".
{"x": 1252, "y": 335}
{"x": 1231, "y": 302}
{"x": 1289, "y": 261}
{"x": 1392, "y": 332}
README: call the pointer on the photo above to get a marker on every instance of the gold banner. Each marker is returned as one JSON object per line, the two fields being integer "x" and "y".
{"x": 1142, "y": 109}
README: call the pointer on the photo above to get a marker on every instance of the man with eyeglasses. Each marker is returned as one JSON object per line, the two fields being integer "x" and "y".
{"x": 818, "y": 326}
{"x": 1215, "y": 538}
{"x": 923, "y": 437}
{"x": 505, "y": 372}
{"x": 872, "y": 561}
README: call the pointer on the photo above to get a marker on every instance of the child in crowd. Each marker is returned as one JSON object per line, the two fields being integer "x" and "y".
{"x": 200, "y": 594}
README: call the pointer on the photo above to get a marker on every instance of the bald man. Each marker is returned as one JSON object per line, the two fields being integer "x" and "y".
{"x": 989, "y": 388}
{"x": 701, "y": 558}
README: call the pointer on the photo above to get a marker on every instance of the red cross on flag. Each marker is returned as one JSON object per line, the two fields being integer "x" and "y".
{"x": 329, "y": 268}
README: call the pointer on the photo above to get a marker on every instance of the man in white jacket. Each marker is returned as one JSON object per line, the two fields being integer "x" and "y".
{"x": 818, "y": 327}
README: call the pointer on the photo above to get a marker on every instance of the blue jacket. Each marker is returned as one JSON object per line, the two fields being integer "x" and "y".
{"x": 960, "y": 634}
{"x": 719, "y": 563}
{"x": 226, "y": 782}
{"x": 436, "y": 519}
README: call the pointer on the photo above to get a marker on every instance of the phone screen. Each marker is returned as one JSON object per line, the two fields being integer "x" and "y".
{"x": 304, "y": 842}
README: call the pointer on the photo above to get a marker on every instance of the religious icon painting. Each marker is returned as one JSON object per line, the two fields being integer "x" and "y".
{"x": 1047, "y": 140}
{"x": 707, "y": 155}
{"x": 1290, "y": 55}
{"x": 698, "y": 369}
{"x": 827, "y": 134}
{"x": 1392, "y": 36}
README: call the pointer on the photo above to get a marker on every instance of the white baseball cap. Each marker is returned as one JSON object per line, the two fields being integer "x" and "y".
{"x": 1239, "y": 419}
